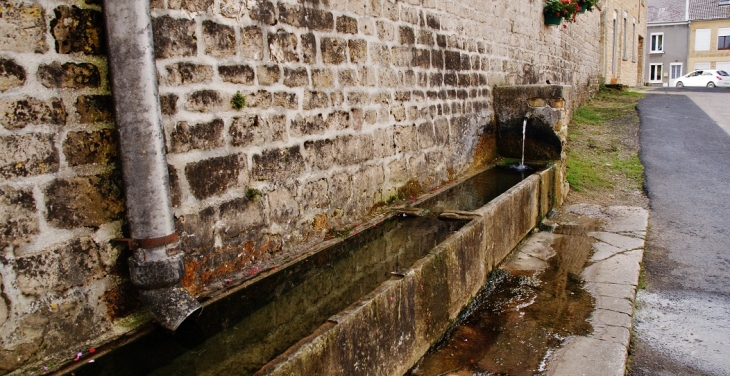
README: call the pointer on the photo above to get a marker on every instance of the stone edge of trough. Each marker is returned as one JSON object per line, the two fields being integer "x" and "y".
{"x": 388, "y": 330}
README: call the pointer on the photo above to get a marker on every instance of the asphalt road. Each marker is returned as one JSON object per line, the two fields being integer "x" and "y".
{"x": 682, "y": 321}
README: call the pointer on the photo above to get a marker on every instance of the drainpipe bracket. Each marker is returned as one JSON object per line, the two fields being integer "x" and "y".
{"x": 149, "y": 275}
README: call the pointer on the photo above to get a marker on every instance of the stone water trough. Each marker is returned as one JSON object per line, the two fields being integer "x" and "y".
{"x": 393, "y": 322}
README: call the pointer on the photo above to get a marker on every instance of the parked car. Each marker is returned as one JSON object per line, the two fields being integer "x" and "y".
{"x": 705, "y": 78}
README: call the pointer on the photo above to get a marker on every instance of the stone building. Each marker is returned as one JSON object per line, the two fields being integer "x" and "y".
{"x": 623, "y": 29}
{"x": 345, "y": 103}
{"x": 709, "y": 35}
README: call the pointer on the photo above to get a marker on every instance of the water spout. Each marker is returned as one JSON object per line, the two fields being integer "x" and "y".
{"x": 521, "y": 166}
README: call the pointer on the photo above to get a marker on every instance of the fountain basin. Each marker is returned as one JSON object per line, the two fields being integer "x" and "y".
{"x": 389, "y": 330}
{"x": 384, "y": 327}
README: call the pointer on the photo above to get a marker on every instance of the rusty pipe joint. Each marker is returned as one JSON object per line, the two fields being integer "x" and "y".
{"x": 158, "y": 284}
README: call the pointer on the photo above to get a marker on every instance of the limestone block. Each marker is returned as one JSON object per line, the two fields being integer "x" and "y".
{"x": 257, "y": 129}
{"x": 313, "y": 196}
{"x": 196, "y": 231}
{"x": 22, "y": 27}
{"x": 426, "y": 37}
{"x": 357, "y": 118}
{"x": 214, "y": 176}
{"x": 386, "y": 31}
{"x": 309, "y": 125}
{"x": 406, "y": 35}
{"x": 338, "y": 120}
{"x": 19, "y": 113}
{"x": 296, "y": 77}
{"x": 337, "y": 98}
{"x": 218, "y": 40}
{"x": 426, "y": 136}
{"x": 262, "y": 11}
{"x": 202, "y": 136}
{"x": 286, "y": 100}
{"x": 268, "y": 74}
{"x": 315, "y": 99}
{"x": 352, "y": 149}
{"x": 206, "y": 100}
{"x": 58, "y": 269}
{"x": 358, "y": 51}
{"x": 283, "y": 204}
{"x": 237, "y": 74}
{"x": 234, "y": 8}
{"x": 283, "y": 46}
{"x": 384, "y": 142}
{"x": 309, "y": 48}
{"x": 18, "y": 218}
{"x": 191, "y": 5}
{"x": 175, "y": 190}
{"x": 346, "y": 25}
{"x": 348, "y": 77}
{"x": 380, "y": 54}
{"x": 69, "y": 75}
{"x": 174, "y": 37}
{"x": 27, "y": 155}
{"x": 277, "y": 164}
{"x": 334, "y": 50}
{"x": 12, "y": 75}
{"x": 87, "y": 201}
{"x": 304, "y": 17}
{"x": 252, "y": 43}
{"x": 390, "y": 10}
{"x": 410, "y": 15}
{"x": 388, "y": 77}
{"x": 90, "y": 147}
{"x": 398, "y": 112}
{"x": 421, "y": 58}
{"x": 188, "y": 73}
{"x": 97, "y": 108}
{"x": 319, "y": 154}
{"x": 241, "y": 215}
{"x": 433, "y": 21}
{"x": 259, "y": 99}
{"x": 406, "y": 139}
{"x": 401, "y": 56}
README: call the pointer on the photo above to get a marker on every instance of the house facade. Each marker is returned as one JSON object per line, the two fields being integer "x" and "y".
{"x": 667, "y": 30}
{"x": 623, "y": 34}
{"x": 709, "y": 34}
{"x": 686, "y": 35}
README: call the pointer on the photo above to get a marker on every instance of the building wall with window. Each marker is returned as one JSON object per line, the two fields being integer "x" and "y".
{"x": 623, "y": 39}
{"x": 709, "y": 45}
{"x": 666, "y": 52}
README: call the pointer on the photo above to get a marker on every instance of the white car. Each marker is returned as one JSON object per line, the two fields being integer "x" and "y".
{"x": 705, "y": 78}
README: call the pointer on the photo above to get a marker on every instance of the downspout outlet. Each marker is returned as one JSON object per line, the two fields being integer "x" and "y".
{"x": 158, "y": 284}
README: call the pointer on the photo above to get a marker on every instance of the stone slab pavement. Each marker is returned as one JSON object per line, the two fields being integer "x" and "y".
{"x": 611, "y": 276}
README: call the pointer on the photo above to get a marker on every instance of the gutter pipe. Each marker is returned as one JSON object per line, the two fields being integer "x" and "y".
{"x": 156, "y": 267}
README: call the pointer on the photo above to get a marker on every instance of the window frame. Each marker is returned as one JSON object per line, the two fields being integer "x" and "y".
{"x": 653, "y": 71}
{"x": 723, "y": 34}
{"x": 651, "y": 43}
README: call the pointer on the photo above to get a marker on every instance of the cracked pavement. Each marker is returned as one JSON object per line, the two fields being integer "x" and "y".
{"x": 611, "y": 276}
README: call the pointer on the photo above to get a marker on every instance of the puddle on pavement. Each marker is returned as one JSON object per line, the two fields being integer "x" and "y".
{"x": 517, "y": 318}
{"x": 476, "y": 191}
{"x": 240, "y": 333}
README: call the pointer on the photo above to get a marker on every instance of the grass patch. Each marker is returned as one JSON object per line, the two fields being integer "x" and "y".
{"x": 603, "y": 145}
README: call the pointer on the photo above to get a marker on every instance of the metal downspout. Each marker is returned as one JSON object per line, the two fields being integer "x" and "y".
{"x": 156, "y": 267}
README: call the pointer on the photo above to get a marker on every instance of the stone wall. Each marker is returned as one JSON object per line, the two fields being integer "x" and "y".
{"x": 623, "y": 41}
{"x": 345, "y": 102}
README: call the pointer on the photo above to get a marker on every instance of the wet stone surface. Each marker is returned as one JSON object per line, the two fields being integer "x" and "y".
{"x": 526, "y": 309}
{"x": 241, "y": 332}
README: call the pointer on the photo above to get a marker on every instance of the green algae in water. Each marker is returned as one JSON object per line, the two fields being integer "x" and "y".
{"x": 242, "y": 332}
